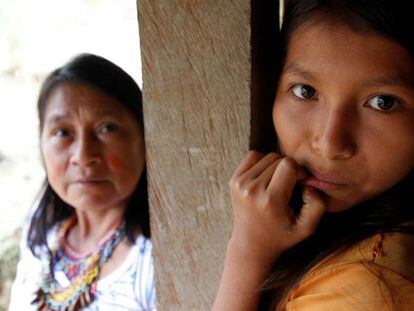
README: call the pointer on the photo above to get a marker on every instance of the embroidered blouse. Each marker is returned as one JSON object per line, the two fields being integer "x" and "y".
{"x": 130, "y": 286}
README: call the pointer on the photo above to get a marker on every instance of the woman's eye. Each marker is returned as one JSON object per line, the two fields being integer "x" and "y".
{"x": 384, "y": 103}
{"x": 304, "y": 91}
{"x": 108, "y": 128}
{"x": 61, "y": 133}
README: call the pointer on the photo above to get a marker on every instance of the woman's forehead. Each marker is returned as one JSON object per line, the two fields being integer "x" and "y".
{"x": 75, "y": 98}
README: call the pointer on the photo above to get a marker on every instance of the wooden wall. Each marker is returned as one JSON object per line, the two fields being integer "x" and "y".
{"x": 197, "y": 90}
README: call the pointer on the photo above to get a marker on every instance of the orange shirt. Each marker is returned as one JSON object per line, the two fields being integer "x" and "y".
{"x": 376, "y": 274}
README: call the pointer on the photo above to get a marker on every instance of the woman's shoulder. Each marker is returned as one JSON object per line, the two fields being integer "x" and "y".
{"x": 132, "y": 281}
{"x": 136, "y": 264}
{"x": 143, "y": 244}
{"x": 376, "y": 273}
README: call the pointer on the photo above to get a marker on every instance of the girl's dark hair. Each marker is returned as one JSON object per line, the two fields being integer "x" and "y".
{"x": 104, "y": 75}
{"x": 391, "y": 211}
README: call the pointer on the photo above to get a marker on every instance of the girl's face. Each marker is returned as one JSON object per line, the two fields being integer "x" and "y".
{"x": 344, "y": 110}
{"x": 92, "y": 148}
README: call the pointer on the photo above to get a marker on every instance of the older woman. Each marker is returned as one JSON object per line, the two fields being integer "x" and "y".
{"x": 87, "y": 243}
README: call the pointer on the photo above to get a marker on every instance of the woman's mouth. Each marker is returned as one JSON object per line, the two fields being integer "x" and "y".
{"x": 87, "y": 182}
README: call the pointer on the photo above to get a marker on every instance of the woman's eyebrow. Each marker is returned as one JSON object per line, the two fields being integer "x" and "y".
{"x": 62, "y": 116}
{"x": 56, "y": 118}
{"x": 108, "y": 112}
{"x": 295, "y": 68}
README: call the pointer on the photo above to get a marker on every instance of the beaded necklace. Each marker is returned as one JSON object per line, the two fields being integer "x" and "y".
{"x": 72, "y": 283}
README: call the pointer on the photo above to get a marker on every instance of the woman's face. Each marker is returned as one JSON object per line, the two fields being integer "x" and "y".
{"x": 92, "y": 148}
{"x": 344, "y": 109}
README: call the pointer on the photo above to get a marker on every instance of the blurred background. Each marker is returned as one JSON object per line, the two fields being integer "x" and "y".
{"x": 35, "y": 38}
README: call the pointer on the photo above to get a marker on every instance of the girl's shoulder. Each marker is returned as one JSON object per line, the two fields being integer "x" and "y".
{"x": 392, "y": 251}
{"x": 376, "y": 273}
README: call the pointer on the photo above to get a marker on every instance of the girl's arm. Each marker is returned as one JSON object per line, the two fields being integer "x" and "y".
{"x": 264, "y": 225}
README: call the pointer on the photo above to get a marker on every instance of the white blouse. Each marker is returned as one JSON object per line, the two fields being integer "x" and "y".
{"x": 130, "y": 286}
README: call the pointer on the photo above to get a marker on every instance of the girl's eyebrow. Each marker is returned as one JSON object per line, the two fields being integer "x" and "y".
{"x": 398, "y": 80}
{"x": 295, "y": 68}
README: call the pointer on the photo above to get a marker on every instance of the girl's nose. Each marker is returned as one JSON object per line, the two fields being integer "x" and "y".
{"x": 333, "y": 138}
{"x": 86, "y": 151}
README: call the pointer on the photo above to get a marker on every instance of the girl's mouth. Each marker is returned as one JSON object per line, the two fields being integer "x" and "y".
{"x": 324, "y": 182}
{"x": 325, "y": 186}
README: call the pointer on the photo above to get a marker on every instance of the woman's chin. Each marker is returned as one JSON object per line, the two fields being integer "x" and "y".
{"x": 90, "y": 203}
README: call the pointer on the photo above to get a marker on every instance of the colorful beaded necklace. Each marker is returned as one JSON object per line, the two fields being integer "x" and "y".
{"x": 72, "y": 284}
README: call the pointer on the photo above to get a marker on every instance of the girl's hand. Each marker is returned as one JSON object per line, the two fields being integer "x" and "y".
{"x": 264, "y": 225}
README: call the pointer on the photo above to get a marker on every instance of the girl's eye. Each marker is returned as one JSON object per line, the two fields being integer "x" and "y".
{"x": 108, "y": 128}
{"x": 384, "y": 102}
{"x": 304, "y": 91}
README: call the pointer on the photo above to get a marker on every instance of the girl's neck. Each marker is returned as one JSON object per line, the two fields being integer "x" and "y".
{"x": 93, "y": 227}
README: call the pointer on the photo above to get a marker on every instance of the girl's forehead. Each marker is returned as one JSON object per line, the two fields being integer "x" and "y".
{"x": 336, "y": 49}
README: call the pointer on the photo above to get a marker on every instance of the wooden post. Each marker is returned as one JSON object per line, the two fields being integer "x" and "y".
{"x": 197, "y": 77}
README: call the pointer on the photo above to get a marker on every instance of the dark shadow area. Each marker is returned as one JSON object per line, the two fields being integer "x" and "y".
{"x": 265, "y": 53}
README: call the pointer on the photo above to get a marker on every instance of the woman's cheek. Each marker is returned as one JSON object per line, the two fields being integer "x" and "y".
{"x": 115, "y": 162}
{"x": 56, "y": 173}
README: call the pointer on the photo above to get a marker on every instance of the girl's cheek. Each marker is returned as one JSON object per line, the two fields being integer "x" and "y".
{"x": 289, "y": 132}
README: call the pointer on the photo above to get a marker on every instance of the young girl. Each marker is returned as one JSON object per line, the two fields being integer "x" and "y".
{"x": 87, "y": 243}
{"x": 344, "y": 119}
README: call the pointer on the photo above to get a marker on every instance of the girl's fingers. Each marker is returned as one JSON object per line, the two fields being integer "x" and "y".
{"x": 260, "y": 167}
{"x": 284, "y": 179}
{"x": 268, "y": 173}
{"x": 251, "y": 158}
{"x": 314, "y": 205}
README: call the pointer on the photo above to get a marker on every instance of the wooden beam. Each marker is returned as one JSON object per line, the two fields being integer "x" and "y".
{"x": 196, "y": 90}
{"x": 209, "y": 73}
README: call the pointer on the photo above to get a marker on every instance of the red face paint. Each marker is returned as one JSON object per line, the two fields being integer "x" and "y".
{"x": 115, "y": 162}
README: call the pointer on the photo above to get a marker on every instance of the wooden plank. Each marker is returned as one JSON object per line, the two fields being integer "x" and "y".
{"x": 196, "y": 90}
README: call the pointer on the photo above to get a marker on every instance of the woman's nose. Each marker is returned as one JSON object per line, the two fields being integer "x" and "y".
{"x": 86, "y": 150}
{"x": 333, "y": 137}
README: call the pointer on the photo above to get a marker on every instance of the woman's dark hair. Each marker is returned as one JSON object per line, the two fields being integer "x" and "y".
{"x": 392, "y": 210}
{"x": 104, "y": 75}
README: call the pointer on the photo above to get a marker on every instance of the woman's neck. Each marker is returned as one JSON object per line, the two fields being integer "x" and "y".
{"x": 92, "y": 227}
